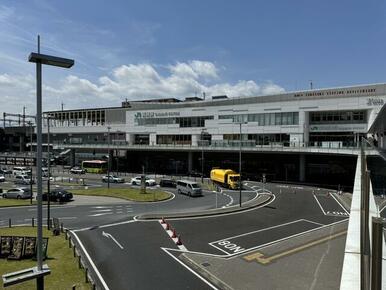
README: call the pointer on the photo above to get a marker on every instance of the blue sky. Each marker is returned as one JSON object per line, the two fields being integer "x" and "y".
{"x": 145, "y": 49}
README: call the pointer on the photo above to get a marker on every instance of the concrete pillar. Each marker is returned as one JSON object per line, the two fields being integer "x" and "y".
{"x": 302, "y": 167}
{"x": 190, "y": 161}
{"x": 152, "y": 139}
{"x": 195, "y": 139}
{"x": 72, "y": 157}
{"x": 130, "y": 138}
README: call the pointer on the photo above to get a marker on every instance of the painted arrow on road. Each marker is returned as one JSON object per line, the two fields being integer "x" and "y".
{"x": 109, "y": 236}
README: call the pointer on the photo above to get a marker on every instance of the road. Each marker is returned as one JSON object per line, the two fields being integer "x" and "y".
{"x": 297, "y": 222}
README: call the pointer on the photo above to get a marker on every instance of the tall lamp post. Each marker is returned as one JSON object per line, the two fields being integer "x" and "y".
{"x": 32, "y": 160}
{"x": 240, "y": 184}
{"x": 202, "y": 154}
{"x": 40, "y": 59}
{"x": 108, "y": 156}
{"x": 49, "y": 175}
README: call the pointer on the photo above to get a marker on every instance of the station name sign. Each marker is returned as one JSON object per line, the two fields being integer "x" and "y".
{"x": 148, "y": 115}
{"x": 375, "y": 102}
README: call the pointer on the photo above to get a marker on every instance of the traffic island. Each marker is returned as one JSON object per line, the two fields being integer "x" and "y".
{"x": 132, "y": 194}
{"x": 260, "y": 200}
{"x": 65, "y": 273}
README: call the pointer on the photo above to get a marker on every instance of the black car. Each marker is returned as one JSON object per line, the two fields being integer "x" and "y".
{"x": 167, "y": 183}
{"x": 60, "y": 195}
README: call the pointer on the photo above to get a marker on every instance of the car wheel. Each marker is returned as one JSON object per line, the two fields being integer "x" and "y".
{"x": 147, "y": 183}
{"x": 18, "y": 197}
{"x": 4, "y": 196}
{"x": 179, "y": 191}
{"x": 132, "y": 183}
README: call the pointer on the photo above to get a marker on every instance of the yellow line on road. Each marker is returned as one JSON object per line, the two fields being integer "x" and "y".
{"x": 259, "y": 257}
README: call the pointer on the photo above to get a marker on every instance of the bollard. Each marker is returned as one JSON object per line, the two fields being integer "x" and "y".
{"x": 69, "y": 242}
{"x": 61, "y": 228}
{"x": 9, "y": 223}
{"x": 79, "y": 262}
{"x": 74, "y": 287}
{"x": 33, "y": 222}
{"x": 86, "y": 275}
{"x": 74, "y": 250}
{"x": 376, "y": 259}
{"x": 66, "y": 235}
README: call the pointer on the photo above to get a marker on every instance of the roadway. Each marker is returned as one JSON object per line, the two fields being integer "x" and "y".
{"x": 145, "y": 257}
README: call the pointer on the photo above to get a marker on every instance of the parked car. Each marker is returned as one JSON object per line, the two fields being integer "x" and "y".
{"x": 167, "y": 183}
{"x": 60, "y": 195}
{"x": 21, "y": 170}
{"x": 137, "y": 181}
{"x": 77, "y": 170}
{"x": 23, "y": 179}
{"x": 113, "y": 178}
{"x": 45, "y": 172}
{"x": 188, "y": 187}
{"x": 2, "y": 178}
{"x": 4, "y": 170}
{"x": 194, "y": 174}
{"x": 18, "y": 193}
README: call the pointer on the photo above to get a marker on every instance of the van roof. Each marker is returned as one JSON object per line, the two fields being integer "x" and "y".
{"x": 187, "y": 181}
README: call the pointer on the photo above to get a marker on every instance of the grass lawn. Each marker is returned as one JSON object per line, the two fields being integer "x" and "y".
{"x": 4, "y": 202}
{"x": 133, "y": 194}
{"x": 64, "y": 267}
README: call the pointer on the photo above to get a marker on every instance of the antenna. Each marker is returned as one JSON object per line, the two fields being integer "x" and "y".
{"x": 311, "y": 85}
{"x": 203, "y": 95}
{"x": 62, "y": 106}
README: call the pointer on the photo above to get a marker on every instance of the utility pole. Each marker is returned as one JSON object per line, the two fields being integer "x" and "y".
{"x": 108, "y": 154}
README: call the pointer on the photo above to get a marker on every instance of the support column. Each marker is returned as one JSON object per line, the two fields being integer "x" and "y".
{"x": 190, "y": 161}
{"x": 302, "y": 167}
{"x": 72, "y": 157}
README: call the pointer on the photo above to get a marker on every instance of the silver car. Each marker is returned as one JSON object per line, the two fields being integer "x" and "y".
{"x": 18, "y": 193}
{"x": 113, "y": 179}
{"x": 23, "y": 179}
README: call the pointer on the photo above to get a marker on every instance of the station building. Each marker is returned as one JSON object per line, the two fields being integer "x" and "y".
{"x": 293, "y": 136}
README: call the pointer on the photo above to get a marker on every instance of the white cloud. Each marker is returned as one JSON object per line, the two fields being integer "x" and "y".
{"x": 133, "y": 81}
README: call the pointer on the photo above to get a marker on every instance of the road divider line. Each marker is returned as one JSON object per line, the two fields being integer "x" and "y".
{"x": 90, "y": 261}
{"x": 319, "y": 204}
{"x": 189, "y": 269}
{"x": 339, "y": 203}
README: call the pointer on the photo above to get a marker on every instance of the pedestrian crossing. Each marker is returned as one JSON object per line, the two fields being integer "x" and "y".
{"x": 97, "y": 211}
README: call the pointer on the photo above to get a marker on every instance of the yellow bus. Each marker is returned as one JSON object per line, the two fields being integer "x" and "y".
{"x": 94, "y": 166}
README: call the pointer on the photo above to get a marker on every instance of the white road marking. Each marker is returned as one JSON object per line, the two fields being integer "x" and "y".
{"x": 99, "y": 207}
{"x": 340, "y": 204}
{"x": 319, "y": 204}
{"x": 107, "y": 235}
{"x": 100, "y": 214}
{"x": 101, "y": 210}
{"x": 91, "y": 262}
{"x": 189, "y": 269}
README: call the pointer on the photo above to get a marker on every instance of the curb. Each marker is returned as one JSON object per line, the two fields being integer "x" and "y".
{"x": 204, "y": 273}
{"x": 266, "y": 198}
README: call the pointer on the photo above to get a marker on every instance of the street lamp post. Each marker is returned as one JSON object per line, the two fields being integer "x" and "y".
{"x": 202, "y": 154}
{"x": 49, "y": 175}
{"x": 240, "y": 184}
{"x": 40, "y": 59}
{"x": 32, "y": 161}
{"x": 108, "y": 156}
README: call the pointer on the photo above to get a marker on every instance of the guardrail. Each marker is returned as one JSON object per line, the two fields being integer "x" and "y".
{"x": 364, "y": 258}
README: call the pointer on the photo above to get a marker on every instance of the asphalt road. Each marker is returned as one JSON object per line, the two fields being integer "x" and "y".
{"x": 146, "y": 250}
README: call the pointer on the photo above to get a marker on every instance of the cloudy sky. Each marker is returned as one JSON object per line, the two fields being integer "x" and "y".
{"x": 150, "y": 49}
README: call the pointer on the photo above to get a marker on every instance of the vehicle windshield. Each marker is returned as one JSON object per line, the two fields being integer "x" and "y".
{"x": 195, "y": 185}
{"x": 234, "y": 178}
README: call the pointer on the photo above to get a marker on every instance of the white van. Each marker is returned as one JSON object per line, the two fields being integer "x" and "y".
{"x": 188, "y": 187}
{"x": 20, "y": 170}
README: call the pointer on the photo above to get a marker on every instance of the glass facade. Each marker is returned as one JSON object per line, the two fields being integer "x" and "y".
{"x": 266, "y": 119}
{"x": 341, "y": 117}
{"x": 174, "y": 139}
{"x": 183, "y": 122}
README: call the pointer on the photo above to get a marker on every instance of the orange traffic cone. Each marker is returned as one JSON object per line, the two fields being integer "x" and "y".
{"x": 179, "y": 242}
{"x": 174, "y": 235}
